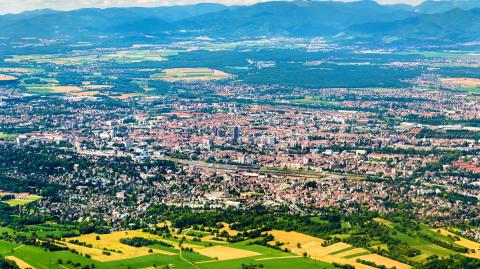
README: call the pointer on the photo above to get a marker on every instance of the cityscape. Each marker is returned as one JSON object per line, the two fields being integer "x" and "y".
{"x": 153, "y": 144}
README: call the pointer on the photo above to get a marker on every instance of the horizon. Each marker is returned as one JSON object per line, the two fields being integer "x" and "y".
{"x": 14, "y": 7}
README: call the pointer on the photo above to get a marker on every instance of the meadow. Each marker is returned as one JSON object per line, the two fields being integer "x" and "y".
{"x": 442, "y": 54}
{"x": 85, "y": 57}
{"x": 341, "y": 253}
{"x": 202, "y": 247}
{"x": 191, "y": 75}
{"x": 4, "y": 136}
{"x": 180, "y": 249}
{"x": 269, "y": 258}
{"x": 21, "y": 199}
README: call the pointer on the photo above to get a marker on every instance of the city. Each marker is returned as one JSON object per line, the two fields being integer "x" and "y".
{"x": 221, "y": 153}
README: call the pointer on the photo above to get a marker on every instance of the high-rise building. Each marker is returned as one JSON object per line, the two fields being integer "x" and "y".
{"x": 235, "y": 134}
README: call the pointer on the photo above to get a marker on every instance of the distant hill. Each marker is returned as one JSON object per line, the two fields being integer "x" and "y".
{"x": 452, "y": 26}
{"x": 295, "y": 18}
{"x": 440, "y": 6}
{"x": 361, "y": 20}
{"x": 94, "y": 21}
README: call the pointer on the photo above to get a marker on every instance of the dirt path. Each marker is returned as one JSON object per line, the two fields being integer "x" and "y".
{"x": 181, "y": 253}
{"x": 19, "y": 262}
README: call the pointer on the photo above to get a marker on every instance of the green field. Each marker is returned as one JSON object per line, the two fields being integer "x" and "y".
{"x": 472, "y": 89}
{"x": 444, "y": 54}
{"x": 23, "y": 201}
{"x": 270, "y": 258}
{"x": 4, "y": 136}
{"x": 197, "y": 233}
{"x": 40, "y": 258}
{"x": 310, "y": 100}
{"x": 427, "y": 249}
{"x": 122, "y": 57}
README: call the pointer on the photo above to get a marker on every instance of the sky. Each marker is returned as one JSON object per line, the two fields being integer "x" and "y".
{"x": 16, "y": 6}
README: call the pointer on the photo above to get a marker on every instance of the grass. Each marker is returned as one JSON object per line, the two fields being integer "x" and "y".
{"x": 41, "y": 90}
{"x": 6, "y": 247}
{"x": 443, "y": 54}
{"x": 427, "y": 248}
{"x": 356, "y": 255}
{"x": 438, "y": 236}
{"x": 342, "y": 250}
{"x": 4, "y": 136}
{"x": 197, "y": 233}
{"x": 23, "y": 201}
{"x": 40, "y": 259}
{"x": 384, "y": 222}
{"x": 297, "y": 263}
{"x": 190, "y": 74}
{"x": 264, "y": 251}
{"x": 37, "y": 257}
{"x": 195, "y": 257}
{"x": 318, "y": 220}
{"x": 164, "y": 248}
{"x": 472, "y": 89}
{"x": 47, "y": 230}
{"x": 311, "y": 100}
{"x": 123, "y": 56}
{"x": 268, "y": 257}
{"x": 423, "y": 245}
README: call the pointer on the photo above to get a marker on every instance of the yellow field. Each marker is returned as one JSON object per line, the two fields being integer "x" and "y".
{"x": 112, "y": 242}
{"x": 351, "y": 252}
{"x": 321, "y": 251}
{"x": 134, "y": 57}
{"x": 279, "y": 258}
{"x": 475, "y": 255}
{"x": 65, "y": 89}
{"x": 472, "y": 245}
{"x": 291, "y": 239}
{"x": 19, "y": 262}
{"x": 7, "y": 78}
{"x": 383, "y": 221}
{"x": 213, "y": 238}
{"x": 16, "y": 70}
{"x": 312, "y": 246}
{"x": 461, "y": 82}
{"x": 352, "y": 262}
{"x": 380, "y": 260}
{"x": 226, "y": 253}
{"x": 86, "y": 93}
{"x": 59, "y": 89}
{"x": 97, "y": 87}
{"x": 226, "y": 228}
{"x": 128, "y": 95}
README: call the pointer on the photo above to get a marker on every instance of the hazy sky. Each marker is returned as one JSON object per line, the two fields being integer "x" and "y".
{"x": 15, "y": 6}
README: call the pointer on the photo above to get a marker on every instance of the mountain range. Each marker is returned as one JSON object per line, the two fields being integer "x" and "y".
{"x": 439, "y": 6}
{"x": 455, "y": 25}
{"x": 366, "y": 20}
